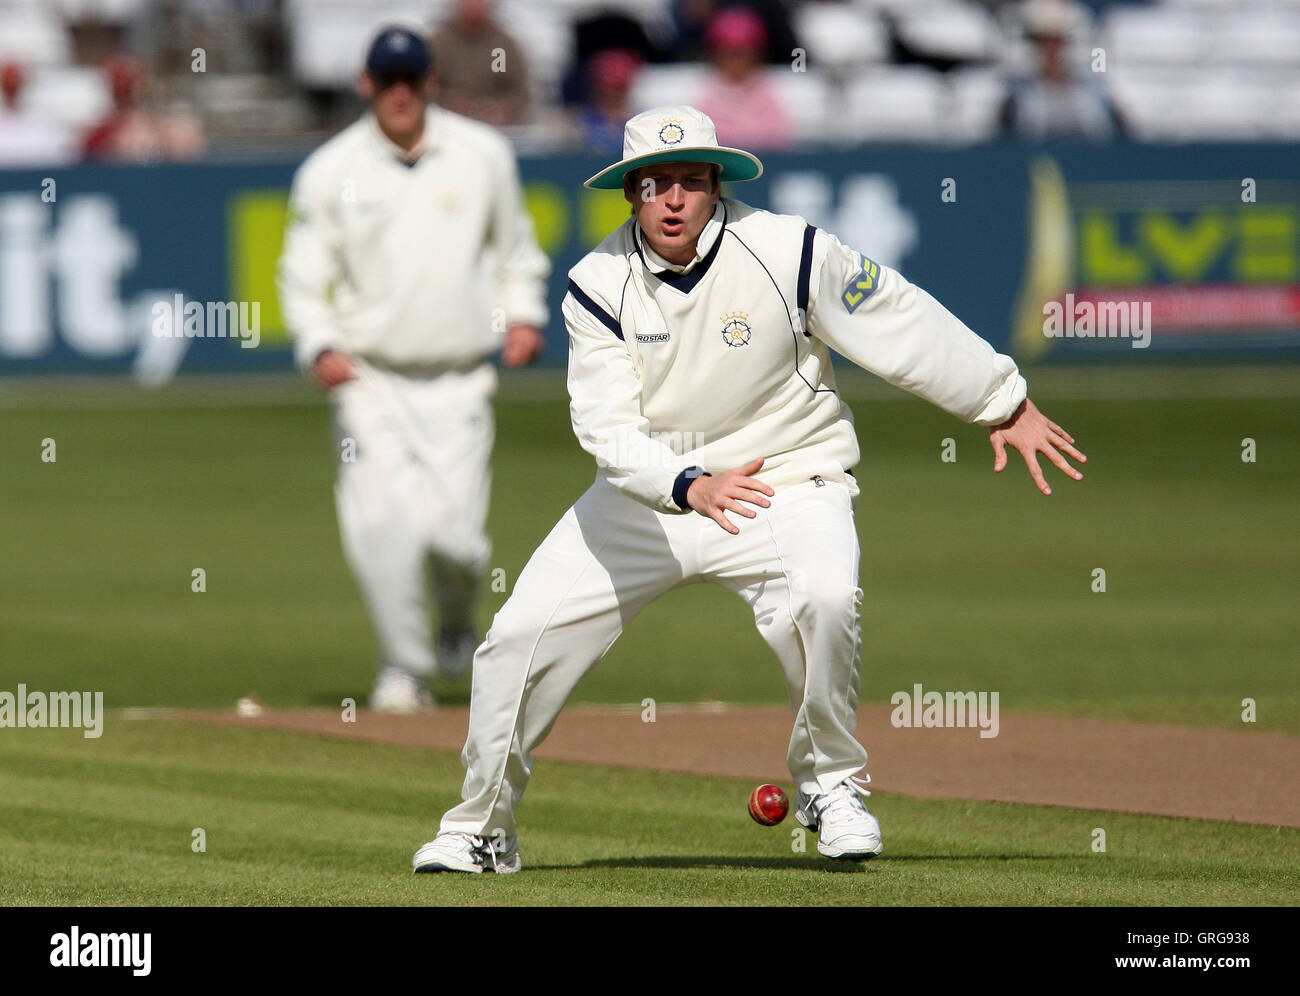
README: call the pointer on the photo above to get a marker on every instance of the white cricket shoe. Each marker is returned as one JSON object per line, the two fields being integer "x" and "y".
{"x": 455, "y": 653}
{"x": 462, "y": 852}
{"x": 845, "y": 828}
{"x": 400, "y": 692}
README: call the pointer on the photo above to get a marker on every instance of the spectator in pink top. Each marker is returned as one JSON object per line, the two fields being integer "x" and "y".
{"x": 737, "y": 95}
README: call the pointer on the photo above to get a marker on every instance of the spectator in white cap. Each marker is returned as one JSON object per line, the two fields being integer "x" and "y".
{"x": 1055, "y": 103}
{"x": 700, "y": 380}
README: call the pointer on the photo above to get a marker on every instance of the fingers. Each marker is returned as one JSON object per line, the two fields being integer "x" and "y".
{"x": 333, "y": 378}
{"x": 1061, "y": 444}
{"x": 332, "y": 369}
{"x": 717, "y": 516}
{"x": 1062, "y": 463}
{"x": 751, "y": 484}
{"x": 752, "y": 493}
{"x": 999, "y": 452}
{"x": 751, "y": 468}
{"x": 1059, "y": 431}
{"x": 734, "y": 505}
{"x": 1036, "y": 472}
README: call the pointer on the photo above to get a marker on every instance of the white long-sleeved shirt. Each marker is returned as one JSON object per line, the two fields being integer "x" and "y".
{"x": 400, "y": 258}
{"x": 678, "y": 369}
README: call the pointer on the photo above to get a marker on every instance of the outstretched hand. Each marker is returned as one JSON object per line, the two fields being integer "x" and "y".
{"x": 1031, "y": 432}
{"x": 713, "y": 496}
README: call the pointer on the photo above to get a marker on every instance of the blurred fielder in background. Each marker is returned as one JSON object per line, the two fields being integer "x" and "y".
{"x": 409, "y": 257}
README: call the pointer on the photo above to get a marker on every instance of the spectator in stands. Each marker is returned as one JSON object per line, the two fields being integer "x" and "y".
{"x": 481, "y": 70}
{"x": 27, "y": 138}
{"x": 736, "y": 94}
{"x": 1054, "y": 104}
{"x": 133, "y": 132}
{"x": 610, "y": 75}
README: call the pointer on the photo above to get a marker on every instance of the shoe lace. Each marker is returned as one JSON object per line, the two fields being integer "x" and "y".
{"x": 845, "y": 800}
{"x": 483, "y": 851}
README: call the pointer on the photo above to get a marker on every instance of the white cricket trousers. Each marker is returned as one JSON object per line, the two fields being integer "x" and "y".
{"x": 414, "y": 476}
{"x": 609, "y": 557}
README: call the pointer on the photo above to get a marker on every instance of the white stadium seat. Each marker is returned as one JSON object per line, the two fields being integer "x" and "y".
{"x": 1155, "y": 36}
{"x": 839, "y": 37}
{"x": 671, "y": 83}
{"x": 75, "y": 96}
{"x": 807, "y": 98}
{"x": 906, "y": 104}
{"x": 329, "y": 37}
{"x": 1266, "y": 38}
{"x": 977, "y": 99}
{"x": 949, "y": 30}
{"x": 32, "y": 37}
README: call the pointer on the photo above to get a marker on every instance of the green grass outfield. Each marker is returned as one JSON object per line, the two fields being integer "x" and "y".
{"x": 303, "y": 821}
{"x": 972, "y": 581}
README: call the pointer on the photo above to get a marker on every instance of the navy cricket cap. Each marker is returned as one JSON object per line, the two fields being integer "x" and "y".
{"x": 398, "y": 50}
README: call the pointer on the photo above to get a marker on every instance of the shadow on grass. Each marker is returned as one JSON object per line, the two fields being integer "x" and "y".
{"x": 809, "y": 863}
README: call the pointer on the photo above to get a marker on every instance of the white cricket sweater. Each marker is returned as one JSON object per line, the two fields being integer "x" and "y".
{"x": 402, "y": 264}
{"x": 709, "y": 366}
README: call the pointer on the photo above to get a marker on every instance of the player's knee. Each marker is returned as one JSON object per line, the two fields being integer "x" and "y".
{"x": 828, "y": 598}
{"x": 516, "y": 627}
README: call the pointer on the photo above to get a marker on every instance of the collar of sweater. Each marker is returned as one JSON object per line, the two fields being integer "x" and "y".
{"x": 657, "y": 264}
{"x": 428, "y": 139}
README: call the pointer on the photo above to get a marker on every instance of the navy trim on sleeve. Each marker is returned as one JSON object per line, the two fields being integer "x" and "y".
{"x": 805, "y": 274}
{"x": 683, "y": 484}
{"x": 597, "y": 312}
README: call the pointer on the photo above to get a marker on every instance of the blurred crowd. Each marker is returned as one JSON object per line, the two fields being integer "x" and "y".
{"x": 149, "y": 80}
{"x": 130, "y": 131}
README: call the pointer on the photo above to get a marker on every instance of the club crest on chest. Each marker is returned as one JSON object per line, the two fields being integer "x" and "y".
{"x": 735, "y": 329}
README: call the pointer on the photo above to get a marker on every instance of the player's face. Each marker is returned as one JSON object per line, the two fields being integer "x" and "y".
{"x": 672, "y": 203}
{"x": 398, "y": 102}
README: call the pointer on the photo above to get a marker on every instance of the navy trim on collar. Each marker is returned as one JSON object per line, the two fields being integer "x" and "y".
{"x": 597, "y": 312}
{"x": 685, "y": 282}
{"x": 805, "y": 272}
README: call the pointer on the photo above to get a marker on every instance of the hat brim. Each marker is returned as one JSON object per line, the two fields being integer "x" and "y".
{"x": 736, "y": 165}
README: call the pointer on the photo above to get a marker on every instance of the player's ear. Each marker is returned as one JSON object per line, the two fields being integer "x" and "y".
{"x": 366, "y": 86}
{"x": 430, "y": 86}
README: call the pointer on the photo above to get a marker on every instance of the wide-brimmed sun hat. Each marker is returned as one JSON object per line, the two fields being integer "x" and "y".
{"x": 679, "y": 134}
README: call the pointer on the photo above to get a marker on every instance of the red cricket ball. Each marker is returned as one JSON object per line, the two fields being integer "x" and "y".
{"x": 768, "y": 805}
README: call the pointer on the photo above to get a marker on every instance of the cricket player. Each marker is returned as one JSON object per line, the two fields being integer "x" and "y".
{"x": 408, "y": 261}
{"x": 700, "y": 377}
